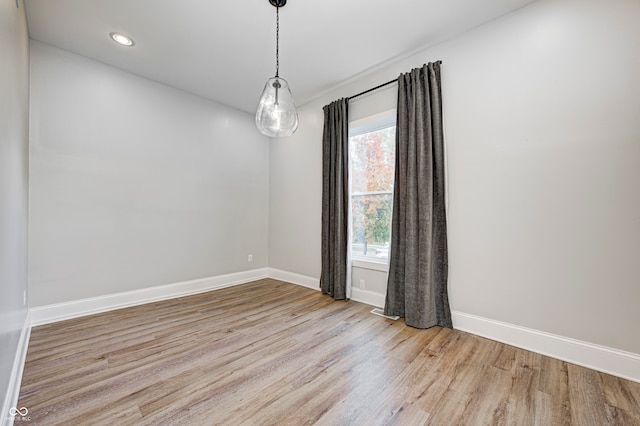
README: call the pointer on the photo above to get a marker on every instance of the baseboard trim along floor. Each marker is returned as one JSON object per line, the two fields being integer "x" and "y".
{"x": 9, "y": 405}
{"x": 601, "y": 358}
{"x": 608, "y": 360}
{"x": 77, "y": 308}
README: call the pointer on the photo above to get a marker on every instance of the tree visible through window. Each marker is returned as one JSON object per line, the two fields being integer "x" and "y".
{"x": 372, "y": 157}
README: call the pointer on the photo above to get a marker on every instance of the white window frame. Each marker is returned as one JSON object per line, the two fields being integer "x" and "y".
{"x": 367, "y": 124}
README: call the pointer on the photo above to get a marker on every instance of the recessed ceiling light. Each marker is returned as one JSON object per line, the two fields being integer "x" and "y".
{"x": 122, "y": 39}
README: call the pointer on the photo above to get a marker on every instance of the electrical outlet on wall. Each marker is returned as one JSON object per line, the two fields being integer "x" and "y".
{"x": 362, "y": 284}
{"x": 250, "y": 258}
{"x": 24, "y": 298}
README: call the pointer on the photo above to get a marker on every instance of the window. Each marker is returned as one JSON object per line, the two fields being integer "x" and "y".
{"x": 372, "y": 160}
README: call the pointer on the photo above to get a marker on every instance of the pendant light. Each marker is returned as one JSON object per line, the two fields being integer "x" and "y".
{"x": 276, "y": 115}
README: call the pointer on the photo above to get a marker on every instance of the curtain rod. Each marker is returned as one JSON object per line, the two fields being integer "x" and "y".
{"x": 377, "y": 87}
{"x": 372, "y": 89}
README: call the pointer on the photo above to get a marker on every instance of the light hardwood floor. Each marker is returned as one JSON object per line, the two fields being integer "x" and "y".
{"x": 270, "y": 352}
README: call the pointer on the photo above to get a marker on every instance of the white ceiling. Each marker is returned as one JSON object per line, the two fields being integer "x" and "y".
{"x": 225, "y": 50}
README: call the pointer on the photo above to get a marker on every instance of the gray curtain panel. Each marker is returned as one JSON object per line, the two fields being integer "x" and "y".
{"x": 417, "y": 284}
{"x": 335, "y": 199}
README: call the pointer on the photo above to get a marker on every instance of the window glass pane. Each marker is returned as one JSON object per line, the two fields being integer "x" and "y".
{"x": 372, "y": 160}
{"x": 371, "y": 225}
{"x": 372, "y": 157}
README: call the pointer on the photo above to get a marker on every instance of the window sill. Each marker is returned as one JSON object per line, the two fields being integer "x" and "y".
{"x": 370, "y": 264}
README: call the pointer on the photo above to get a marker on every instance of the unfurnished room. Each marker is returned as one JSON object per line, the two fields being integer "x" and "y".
{"x": 288, "y": 212}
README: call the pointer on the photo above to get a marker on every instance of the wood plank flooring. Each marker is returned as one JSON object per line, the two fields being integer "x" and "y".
{"x": 270, "y": 352}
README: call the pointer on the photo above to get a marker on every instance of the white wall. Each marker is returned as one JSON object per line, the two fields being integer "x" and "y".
{"x": 542, "y": 122}
{"x": 14, "y": 156}
{"x": 135, "y": 184}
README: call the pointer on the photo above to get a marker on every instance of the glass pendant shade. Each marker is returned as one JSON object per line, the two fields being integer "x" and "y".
{"x": 276, "y": 115}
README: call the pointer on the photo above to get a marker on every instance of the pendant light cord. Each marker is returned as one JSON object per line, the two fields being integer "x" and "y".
{"x": 277, "y": 41}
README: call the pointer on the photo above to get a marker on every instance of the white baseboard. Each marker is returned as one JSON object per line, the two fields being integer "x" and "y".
{"x": 357, "y": 295}
{"x": 77, "y": 308}
{"x": 607, "y": 360}
{"x": 601, "y": 358}
{"x": 13, "y": 390}
{"x": 290, "y": 277}
{"x": 368, "y": 297}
